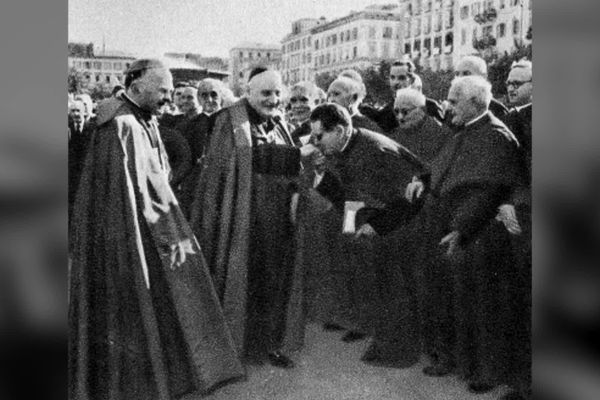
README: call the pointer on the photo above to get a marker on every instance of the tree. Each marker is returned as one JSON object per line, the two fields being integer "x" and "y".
{"x": 376, "y": 82}
{"x": 498, "y": 70}
{"x": 324, "y": 79}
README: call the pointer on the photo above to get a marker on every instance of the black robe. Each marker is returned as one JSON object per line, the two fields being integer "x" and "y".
{"x": 373, "y": 169}
{"x": 138, "y": 328}
{"x": 241, "y": 214}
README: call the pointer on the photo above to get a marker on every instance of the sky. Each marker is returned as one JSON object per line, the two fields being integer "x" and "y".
{"x": 209, "y": 27}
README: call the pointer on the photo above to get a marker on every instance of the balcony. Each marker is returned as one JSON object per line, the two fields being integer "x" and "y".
{"x": 488, "y": 15}
{"x": 484, "y": 42}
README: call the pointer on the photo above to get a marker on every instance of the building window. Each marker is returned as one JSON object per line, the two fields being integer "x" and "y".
{"x": 127, "y": 65}
{"x": 97, "y": 65}
{"x": 449, "y": 39}
{"x": 316, "y": 44}
{"x": 341, "y": 37}
{"x": 501, "y": 30}
{"x": 87, "y": 78}
{"x": 514, "y": 3}
{"x": 354, "y": 52}
{"x": 417, "y": 46}
{"x": 417, "y": 27}
{"x": 475, "y": 7}
{"x": 117, "y": 66}
{"x": 328, "y": 59}
{"x": 107, "y": 66}
{"x": 308, "y": 58}
{"x": 463, "y": 37}
{"x": 97, "y": 78}
{"x": 268, "y": 56}
{"x": 348, "y": 35}
{"x": 407, "y": 29}
{"x": 427, "y": 45}
{"x": 464, "y": 12}
{"x": 355, "y": 34}
{"x": 107, "y": 79}
{"x": 437, "y": 42}
{"x": 372, "y": 32}
{"x": 417, "y": 9}
{"x": 78, "y": 64}
{"x": 333, "y": 40}
{"x": 427, "y": 6}
{"x": 388, "y": 32}
{"x": 427, "y": 25}
{"x": 438, "y": 22}
{"x": 372, "y": 50}
{"x": 386, "y": 50}
{"x": 406, "y": 48}
{"x": 515, "y": 26}
{"x": 502, "y": 4}
{"x": 449, "y": 17}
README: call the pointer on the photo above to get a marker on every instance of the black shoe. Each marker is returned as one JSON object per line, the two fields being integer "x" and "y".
{"x": 438, "y": 369}
{"x": 330, "y": 326}
{"x": 280, "y": 360}
{"x": 513, "y": 395}
{"x": 374, "y": 356}
{"x": 479, "y": 387}
{"x": 353, "y": 336}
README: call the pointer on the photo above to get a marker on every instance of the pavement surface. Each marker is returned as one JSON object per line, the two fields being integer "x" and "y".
{"x": 329, "y": 369}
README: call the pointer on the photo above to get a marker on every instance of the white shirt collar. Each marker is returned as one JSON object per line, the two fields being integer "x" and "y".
{"x": 471, "y": 122}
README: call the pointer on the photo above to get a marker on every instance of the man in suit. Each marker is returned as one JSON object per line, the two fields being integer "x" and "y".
{"x": 173, "y": 115}
{"x": 516, "y": 215}
{"x": 79, "y": 134}
{"x": 242, "y": 216}
{"x": 349, "y": 93}
{"x": 362, "y": 166}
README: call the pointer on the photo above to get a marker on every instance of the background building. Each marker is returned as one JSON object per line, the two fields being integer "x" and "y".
{"x": 296, "y": 51}
{"x": 247, "y": 55}
{"x": 437, "y": 33}
{"x": 193, "y": 67}
{"x": 105, "y": 68}
{"x": 358, "y": 40}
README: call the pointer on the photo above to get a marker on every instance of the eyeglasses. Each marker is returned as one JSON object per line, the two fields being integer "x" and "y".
{"x": 206, "y": 95}
{"x": 462, "y": 73}
{"x": 294, "y": 100}
{"x": 516, "y": 84}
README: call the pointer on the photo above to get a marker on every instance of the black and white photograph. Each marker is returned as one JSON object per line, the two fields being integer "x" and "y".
{"x": 299, "y": 200}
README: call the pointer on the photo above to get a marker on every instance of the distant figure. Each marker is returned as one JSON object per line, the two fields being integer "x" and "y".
{"x": 349, "y": 93}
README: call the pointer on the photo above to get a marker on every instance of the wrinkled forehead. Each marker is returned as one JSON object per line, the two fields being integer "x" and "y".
{"x": 339, "y": 86}
{"x": 519, "y": 74}
{"x": 269, "y": 80}
{"x": 208, "y": 87}
{"x": 188, "y": 91}
{"x": 405, "y": 100}
{"x": 301, "y": 91}
{"x": 77, "y": 105}
{"x": 399, "y": 70}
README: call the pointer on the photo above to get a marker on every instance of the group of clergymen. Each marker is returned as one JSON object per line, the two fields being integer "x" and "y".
{"x": 204, "y": 236}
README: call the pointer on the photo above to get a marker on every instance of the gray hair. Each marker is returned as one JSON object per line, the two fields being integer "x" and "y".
{"x": 415, "y": 96}
{"x": 474, "y": 87}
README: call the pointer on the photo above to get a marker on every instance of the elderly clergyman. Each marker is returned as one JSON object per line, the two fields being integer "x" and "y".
{"x": 144, "y": 317}
{"x": 349, "y": 93}
{"x": 242, "y": 215}
{"x": 466, "y": 255}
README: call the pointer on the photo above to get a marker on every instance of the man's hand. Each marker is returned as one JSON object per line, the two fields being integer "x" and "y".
{"x": 178, "y": 253}
{"x": 451, "y": 240}
{"x": 365, "y": 231}
{"x": 414, "y": 189}
{"x": 307, "y": 150}
{"x": 508, "y": 216}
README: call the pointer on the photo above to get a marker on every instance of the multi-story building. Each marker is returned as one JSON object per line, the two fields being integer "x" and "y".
{"x": 245, "y": 56}
{"x": 437, "y": 33}
{"x": 296, "y": 51}
{"x": 102, "y": 69}
{"x": 358, "y": 40}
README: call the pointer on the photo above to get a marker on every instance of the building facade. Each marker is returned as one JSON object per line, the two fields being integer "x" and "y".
{"x": 437, "y": 33}
{"x": 358, "y": 40}
{"x": 296, "y": 51}
{"x": 245, "y": 56}
{"x": 105, "y": 69}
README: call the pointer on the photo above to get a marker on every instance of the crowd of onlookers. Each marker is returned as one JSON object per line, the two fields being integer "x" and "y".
{"x": 437, "y": 258}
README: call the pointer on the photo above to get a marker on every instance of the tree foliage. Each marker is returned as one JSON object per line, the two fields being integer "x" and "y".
{"x": 75, "y": 81}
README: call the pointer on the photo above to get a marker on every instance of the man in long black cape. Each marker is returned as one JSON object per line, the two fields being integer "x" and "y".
{"x": 145, "y": 321}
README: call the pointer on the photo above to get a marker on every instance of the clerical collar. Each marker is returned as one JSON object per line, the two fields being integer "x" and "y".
{"x": 471, "y": 122}
{"x": 145, "y": 115}
{"x": 347, "y": 144}
{"x": 519, "y": 108}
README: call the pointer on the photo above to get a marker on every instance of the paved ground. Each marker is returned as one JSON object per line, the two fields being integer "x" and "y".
{"x": 329, "y": 369}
